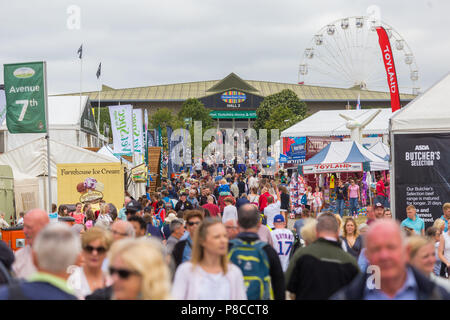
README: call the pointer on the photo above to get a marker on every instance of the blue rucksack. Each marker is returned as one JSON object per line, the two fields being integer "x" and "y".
{"x": 254, "y": 264}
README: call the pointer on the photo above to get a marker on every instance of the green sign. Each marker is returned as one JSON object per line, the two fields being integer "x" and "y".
{"x": 25, "y": 97}
{"x": 233, "y": 114}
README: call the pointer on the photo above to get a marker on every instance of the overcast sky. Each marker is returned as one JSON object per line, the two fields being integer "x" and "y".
{"x": 150, "y": 42}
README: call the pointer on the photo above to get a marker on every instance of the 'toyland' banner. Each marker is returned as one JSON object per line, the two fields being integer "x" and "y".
{"x": 332, "y": 167}
{"x": 122, "y": 128}
{"x": 293, "y": 149}
{"x": 388, "y": 58}
{"x": 422, "y": 174}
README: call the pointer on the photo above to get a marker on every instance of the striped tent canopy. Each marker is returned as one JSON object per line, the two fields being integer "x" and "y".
{"x": 343, "y": 156}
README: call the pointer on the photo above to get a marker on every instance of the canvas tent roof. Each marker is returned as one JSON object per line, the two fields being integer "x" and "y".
{"x": 329, "y": 123}
{"x": 347, "y": 152}
{"x": 428, "y": 112}
{"x": 31, "y": 158}
{"x": 63, "y": 111}
{"x": 381, "y": 150}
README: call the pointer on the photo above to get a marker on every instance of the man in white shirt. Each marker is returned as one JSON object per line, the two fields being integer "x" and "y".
{"x": 34, "y": 221}
{"x": 271, "y": 211}
{"x": 283, "y": 239}
{"x": 230, "y": 211}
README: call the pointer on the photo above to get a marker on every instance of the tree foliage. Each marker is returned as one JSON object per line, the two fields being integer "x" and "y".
{"x": 280, "y": 111}
{"x": 193, "y": 108}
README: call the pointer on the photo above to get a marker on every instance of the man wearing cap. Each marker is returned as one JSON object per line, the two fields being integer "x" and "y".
{"x": 283, "y": 239}
{"x": 379, "y": 210}
{"x": 133, "y": 208}
{"x": 413, "y": 221}
{"x": 183, "y": 204}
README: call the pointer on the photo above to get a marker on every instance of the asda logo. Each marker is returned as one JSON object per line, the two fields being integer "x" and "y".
{"x": 23, "y": 73}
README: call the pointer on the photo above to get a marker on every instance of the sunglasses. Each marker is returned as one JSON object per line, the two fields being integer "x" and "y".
{"x": 192, "y": 223}
{"x": 90, "y": 249}
{"x": 123, "y": 273}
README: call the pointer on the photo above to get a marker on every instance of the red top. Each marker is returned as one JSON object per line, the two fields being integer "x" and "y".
{"x": 162, "y": 213}
{"x": 381, "y": 189}
{"x": 263, "y": 201}
{"x": 212, "y": 208}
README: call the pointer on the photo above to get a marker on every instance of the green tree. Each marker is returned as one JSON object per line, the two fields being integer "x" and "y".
{"x": 193, "y": 108}
{"x": 278, "y": 107}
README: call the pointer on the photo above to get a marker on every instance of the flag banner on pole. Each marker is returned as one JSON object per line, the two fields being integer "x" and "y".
{"x": 99, "y": 70}
{"x": 160, "y": 144}
{"x": 80, "y": 52}
{"x": 170, "y": 168}
{"x": 150, "y": 138}
{"x": 25, "y": 97}
{"x": 122, "y": 128}
{"x": 137, "y": 131}
{"x": 2, "y": 105}
{"x": 358, "y": 103}
{"x": 388, "y": 58}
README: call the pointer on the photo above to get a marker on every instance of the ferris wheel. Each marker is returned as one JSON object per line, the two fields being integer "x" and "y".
{"x": 346, "y": 53}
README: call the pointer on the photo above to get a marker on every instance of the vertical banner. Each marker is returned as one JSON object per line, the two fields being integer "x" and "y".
{"x": 388, "y": 58}
{"x": 170, "y": 144}
{"x": 2, "y": 105}
{"x": 137, "y": 131}
{"x": 25, "y": 97}
{"x": 150, "y": 138}
{"x": 422, "y": 174}
{"x": 122, "y": 128}
{"x": 160, "y": 144}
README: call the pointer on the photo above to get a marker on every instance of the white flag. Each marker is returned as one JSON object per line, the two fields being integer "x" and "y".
{"x": 122, "y": 128}
{"x": 2, "y": 106}
{"x": 137, "y": 131}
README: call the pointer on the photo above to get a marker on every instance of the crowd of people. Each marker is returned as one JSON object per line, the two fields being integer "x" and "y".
{"x": 225, "y": 233}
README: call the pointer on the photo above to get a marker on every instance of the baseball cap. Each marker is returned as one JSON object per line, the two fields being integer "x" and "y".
{"x": 379, "y": 205}
{"x": 278, "y": 218}
{"x": 134, "y": 206}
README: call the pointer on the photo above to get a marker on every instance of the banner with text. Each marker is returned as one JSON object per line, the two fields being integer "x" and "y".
{"x": 388, "y": 58}
{"x": 422, "y": 174}
{"x": 25, "y": 97}
{"x": 332, "y": 167}
{"x": 137, "y": 131}
{"x": 294, "y": 149}
{"x": 122, "y": 128}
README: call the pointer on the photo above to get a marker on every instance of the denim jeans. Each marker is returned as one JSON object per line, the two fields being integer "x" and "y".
{"x": 353, "y": 206}
{"x": 340, "y": 206}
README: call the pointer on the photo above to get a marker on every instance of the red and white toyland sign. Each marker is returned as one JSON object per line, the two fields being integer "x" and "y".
{"x": 332, "y": 167}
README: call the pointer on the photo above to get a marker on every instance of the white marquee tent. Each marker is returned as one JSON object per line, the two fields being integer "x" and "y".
{"x": 68, "y": 122}
{"x": 381, "y": 150}
{"x": 29, "y": 165}
{"x": 327, "y": 123}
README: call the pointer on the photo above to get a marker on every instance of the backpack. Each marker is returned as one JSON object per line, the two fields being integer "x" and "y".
{"x": 304, "y": 200}
{"x": 158, "y": 218}
{"x": 254, "y": 264}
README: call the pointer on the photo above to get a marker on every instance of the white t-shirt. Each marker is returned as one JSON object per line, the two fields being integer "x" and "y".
{"x": 213, "y": 286}
{"x": 283, "y": 239}
{"x": 271, "y": 211}
{"x": 229, "y": 213}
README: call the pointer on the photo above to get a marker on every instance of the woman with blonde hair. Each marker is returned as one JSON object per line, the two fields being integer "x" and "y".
{"x": 422, "y": 256}
{"x": 308, "y": 231}
{"x": 89, "y": 277}
{"x": 209, "y": 275}
{"x": 351, "y": 240}
{"x": 139, "y": 270}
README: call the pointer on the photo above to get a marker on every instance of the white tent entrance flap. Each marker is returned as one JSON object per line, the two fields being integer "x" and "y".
{"x": 344, "y": 156}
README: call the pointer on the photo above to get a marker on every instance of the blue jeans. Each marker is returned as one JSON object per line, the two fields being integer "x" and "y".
{"x": 353, "y": 206}
{"x": 340, "y": 206}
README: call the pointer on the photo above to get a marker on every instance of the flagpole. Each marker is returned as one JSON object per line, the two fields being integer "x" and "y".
{"x": 47, "y": 136}
{"x": 98, "y": 120}
{"x": 81, "y": 77}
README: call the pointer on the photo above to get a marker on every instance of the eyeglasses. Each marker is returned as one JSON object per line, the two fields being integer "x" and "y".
{"x": 192, "y": 223}
{"x": 90, "y": 249}
{"x": 123, "y": 273}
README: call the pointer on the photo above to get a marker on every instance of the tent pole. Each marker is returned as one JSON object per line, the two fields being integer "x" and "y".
{"x": 47, "y": 137}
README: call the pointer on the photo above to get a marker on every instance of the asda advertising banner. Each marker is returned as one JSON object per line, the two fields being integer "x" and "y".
{"x": 122, "y": 128}
{"x": 25, "y": 90}
{"x": 422, "y": 174}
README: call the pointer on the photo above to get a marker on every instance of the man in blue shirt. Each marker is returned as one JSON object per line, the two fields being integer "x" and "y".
{"x": 413, "y": 221}
{"x": 389, "y": 277}
{"x": 446, "y": 214}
